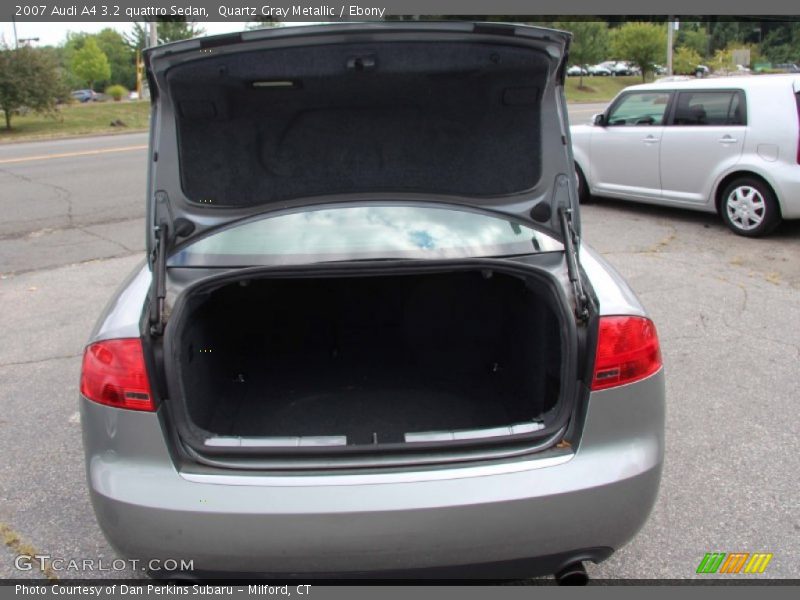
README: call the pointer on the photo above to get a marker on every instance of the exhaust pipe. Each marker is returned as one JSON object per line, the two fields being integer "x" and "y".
{"x": 573, "y": 574}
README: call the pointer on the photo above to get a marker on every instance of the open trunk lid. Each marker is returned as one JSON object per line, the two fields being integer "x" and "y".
{"x": 457, "y": 113}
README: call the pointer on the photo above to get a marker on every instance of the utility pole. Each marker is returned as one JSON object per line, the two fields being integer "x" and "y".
{"x": 153, "y": 34}
{"x": 16, "y": 41}
{"x": 139, "y": 68}
{"x": 670, "y": 33}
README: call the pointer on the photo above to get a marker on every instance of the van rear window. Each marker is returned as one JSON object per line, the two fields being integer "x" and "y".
{"x": 710, "y": 108}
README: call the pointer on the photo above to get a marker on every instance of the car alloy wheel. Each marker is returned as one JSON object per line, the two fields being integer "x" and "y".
{"x": 749, "y": 208}
{"x": 746, "y": 207}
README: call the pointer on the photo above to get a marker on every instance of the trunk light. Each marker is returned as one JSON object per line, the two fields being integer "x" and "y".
{"x": 114, "y": 374}
{"x": 627, "y": 351}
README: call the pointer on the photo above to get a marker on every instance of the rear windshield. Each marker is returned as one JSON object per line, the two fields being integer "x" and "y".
{"x": 364, "y": 233}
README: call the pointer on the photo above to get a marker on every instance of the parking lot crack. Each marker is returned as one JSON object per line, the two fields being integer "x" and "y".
{"x": 61, "y": 193}
{"x": 105, "y": 239}
{"x": 14, "y": 235}
{"x": 39, "y": 360}
{"x": 17, "y": 545}
{"x": 6, "y": 274}
{"x": 665, "y": 241}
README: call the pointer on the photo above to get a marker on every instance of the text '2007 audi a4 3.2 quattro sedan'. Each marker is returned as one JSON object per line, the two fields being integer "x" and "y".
{"x": 368, "y": 340}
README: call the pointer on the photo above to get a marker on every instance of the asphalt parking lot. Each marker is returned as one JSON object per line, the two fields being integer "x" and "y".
{"x": 727, "y": 309}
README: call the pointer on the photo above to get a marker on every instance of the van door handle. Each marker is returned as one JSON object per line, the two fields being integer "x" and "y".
{"x": 726, "y": 139}
{"x": 650, "y": 139}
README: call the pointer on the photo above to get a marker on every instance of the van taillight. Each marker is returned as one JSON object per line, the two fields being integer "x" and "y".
{"x": 797, "y": 101}
{"x": 627, "y": 351}
{"x": 114, "y": 374}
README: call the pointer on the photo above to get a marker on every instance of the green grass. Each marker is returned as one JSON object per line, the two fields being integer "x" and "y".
{"x": 78, "y": 119}
{"x": 597, "y": 89}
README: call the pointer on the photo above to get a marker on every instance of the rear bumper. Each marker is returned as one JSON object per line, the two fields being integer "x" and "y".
{"x": 786, "y": 181}
{"x": 533, "y": 515}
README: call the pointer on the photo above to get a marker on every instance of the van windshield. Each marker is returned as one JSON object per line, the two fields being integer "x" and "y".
{"x": 364, "y": 233}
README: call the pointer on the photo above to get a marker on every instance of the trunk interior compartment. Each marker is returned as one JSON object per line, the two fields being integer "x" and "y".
{"x": 366, "y": 362}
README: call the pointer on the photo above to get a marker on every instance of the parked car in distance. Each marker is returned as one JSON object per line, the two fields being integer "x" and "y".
{"x": 624, "y": 68}
{"x": 599, "y": 70}
{"x": 729, "y": 145}
{"x": 702, "y": 71}
{"x": 369, "y": 340}
{"x": 577, "y": 70}
{"x": 787, "y": 68}
{"x": 84, "y": 95}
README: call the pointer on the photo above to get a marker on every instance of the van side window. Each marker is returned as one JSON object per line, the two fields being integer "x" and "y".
{"x": 639, "y": 108}
{"x": 709, "y": 108}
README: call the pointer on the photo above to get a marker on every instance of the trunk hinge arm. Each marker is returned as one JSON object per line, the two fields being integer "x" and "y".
{"x": 166, "y": 230}
{"x": 158, "y": 290}
{"x": 571, "y": 243}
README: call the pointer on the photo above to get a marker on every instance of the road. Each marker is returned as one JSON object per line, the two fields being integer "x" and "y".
{"x": 74, "y": 200}
{"x": 69, "y": 201}
{"x": 727, "y": 310}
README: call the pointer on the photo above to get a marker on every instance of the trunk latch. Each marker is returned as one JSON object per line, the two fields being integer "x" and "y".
{"x": 366, "y": 62}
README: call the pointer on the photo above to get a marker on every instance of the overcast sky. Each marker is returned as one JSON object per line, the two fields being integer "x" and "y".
{"x": 52, "y": 34}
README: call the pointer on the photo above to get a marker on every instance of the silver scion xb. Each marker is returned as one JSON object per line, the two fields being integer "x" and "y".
{"x": 368, "y": 340}
{"x": 729, "y": 145}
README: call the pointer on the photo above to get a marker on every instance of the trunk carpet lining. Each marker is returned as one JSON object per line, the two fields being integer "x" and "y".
{"x": 387, "y": 355}
{"x": 357, "y": 411}
{"x": 455, "y": 118}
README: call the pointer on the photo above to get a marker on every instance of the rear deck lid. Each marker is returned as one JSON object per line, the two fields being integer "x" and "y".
{"x": 446, "y": 113}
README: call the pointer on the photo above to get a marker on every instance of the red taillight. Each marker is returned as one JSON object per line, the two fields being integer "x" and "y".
{"x": 114, "y": 374}
{"x": 627, "y": 351}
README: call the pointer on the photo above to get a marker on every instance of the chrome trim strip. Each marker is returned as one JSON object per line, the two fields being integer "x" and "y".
{"x": 378, "y": 478}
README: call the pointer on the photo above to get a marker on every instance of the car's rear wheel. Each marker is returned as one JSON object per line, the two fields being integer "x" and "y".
{"x": 584, "y": 195}
{"x": 749, "y": 208}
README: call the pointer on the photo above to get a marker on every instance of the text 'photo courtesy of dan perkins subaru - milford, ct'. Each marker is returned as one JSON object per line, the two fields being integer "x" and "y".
{"x": 336, "y": 298}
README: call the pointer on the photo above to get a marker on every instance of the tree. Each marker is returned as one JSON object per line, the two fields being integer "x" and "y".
{"x": 589, "y": 42}
{"x": 56, "y": 56}
{"x": 643, "y": 44}
{"x": 121, "y": 58}
{"x": 723, "y": 60}
{"x": 90, "y": 63}
{"x": 695, "y": 39}
{"x": 723, "y": 33}
{"x": 172, "y": 30}
{"x": 781, "y": 42}
{"x": 685, "y": 61}
{"x": 28, "y": 79}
